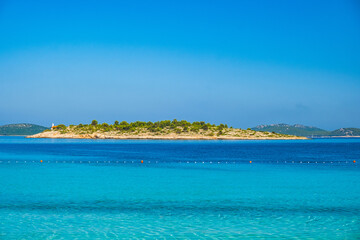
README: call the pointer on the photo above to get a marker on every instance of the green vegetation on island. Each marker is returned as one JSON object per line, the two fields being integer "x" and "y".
{"x": 161, "y": 129}
{"x": 166, "y": 126}
{"x": 307, "y": 131}
{"x": 21, "y": 129}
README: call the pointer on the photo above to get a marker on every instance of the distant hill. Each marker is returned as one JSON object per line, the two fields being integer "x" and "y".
{"x": 21, "y": 129}
{"x": 297, "y": 129}
{"x": 306, "y": 131}
{"x": 346, "y": 132}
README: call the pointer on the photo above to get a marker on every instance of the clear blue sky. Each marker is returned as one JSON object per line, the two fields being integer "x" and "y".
{"x": 242, "y": 63}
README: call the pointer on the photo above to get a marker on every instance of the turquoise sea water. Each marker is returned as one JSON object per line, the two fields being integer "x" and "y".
{"x": 99, "y": 189}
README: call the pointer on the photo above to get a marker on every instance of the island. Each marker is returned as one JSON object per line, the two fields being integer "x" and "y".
{"x": 21, "y": 129}
{"x": 166, "y": 129}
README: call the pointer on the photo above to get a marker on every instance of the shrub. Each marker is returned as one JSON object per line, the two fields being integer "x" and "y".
{"x": 165, "y": 123}
{"x": 205, "y": 127}
{"x": 195, "y": 128}
{"x": 61, "y": 127}
{"x": 124, "y": 123}
{"x": 220, "y": 128}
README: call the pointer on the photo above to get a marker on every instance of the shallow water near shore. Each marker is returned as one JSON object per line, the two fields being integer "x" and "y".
{"x": 300, "y": 189}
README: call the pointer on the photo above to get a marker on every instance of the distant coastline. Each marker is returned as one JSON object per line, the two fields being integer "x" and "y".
{"x": 13, "y": 135}
{"x": 308, "y": 131}
{"x": 21, "y": 129}
{"x": 166, "y": 130}
{"x": 335, "y": 137}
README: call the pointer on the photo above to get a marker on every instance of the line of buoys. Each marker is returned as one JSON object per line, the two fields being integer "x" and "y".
{"x": 188, "y": 162}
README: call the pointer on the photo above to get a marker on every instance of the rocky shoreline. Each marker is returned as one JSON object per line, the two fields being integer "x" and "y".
{"x": 172, "y": 136}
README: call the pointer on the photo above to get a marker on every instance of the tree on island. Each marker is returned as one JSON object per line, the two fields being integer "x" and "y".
{"x": 94, "y": 122}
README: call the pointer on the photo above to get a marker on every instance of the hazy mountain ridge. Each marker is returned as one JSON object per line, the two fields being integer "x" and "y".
{"x": 306, "y": 131}
{"x": 346, "y": 132}
{"x": 21, "y": 129}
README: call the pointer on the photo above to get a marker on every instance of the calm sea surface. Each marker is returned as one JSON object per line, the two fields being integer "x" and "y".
{"x": 99, "y": 189}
